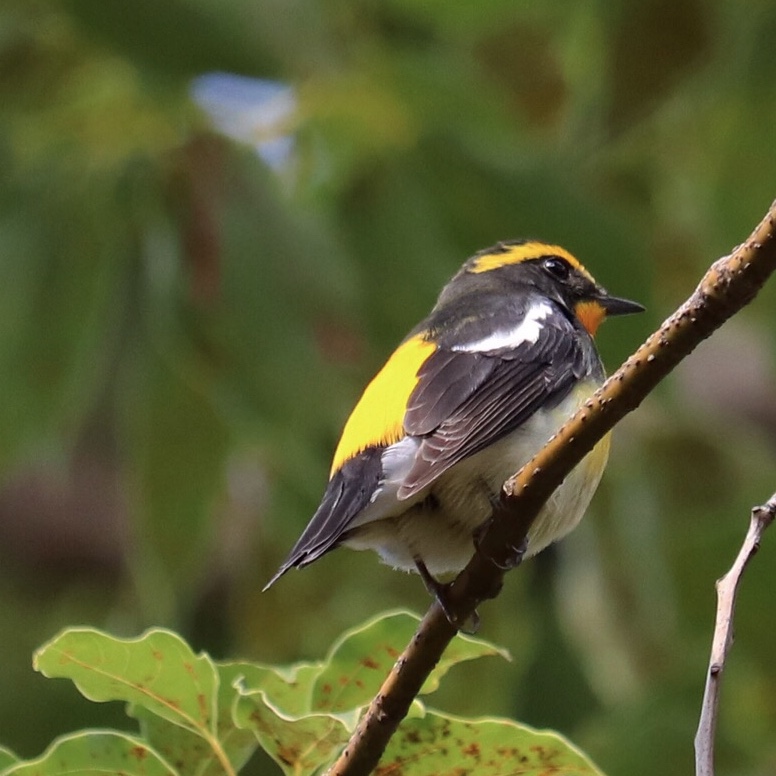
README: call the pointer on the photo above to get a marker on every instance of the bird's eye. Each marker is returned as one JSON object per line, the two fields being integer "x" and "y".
{"x": 558, "y": 268}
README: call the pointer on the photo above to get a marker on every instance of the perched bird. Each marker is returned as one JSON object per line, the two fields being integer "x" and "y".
{"x": 503, "y": 359}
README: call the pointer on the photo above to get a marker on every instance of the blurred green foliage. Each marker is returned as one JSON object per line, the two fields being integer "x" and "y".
{"x": 183, "y": 330}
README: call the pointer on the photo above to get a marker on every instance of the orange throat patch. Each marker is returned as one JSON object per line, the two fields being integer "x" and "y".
{"x": 591, "y": 315}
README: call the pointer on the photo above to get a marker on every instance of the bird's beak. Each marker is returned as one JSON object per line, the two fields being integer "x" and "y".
{"x": 616, "y": 306}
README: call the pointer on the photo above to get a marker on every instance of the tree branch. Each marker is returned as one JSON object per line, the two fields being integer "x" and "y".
{"x": 727, "y": 589}
{"x": 730, "y": 284}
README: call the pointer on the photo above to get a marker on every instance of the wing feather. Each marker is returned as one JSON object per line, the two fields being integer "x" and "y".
{"x": 505, "y": 389}
{"x": 348, "y": 492}
{"x": 449, "y": 377}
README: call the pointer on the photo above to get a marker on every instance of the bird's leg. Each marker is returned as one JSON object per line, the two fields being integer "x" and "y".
{"x": 515, "y": 554}
{"x": 440, "y": 591}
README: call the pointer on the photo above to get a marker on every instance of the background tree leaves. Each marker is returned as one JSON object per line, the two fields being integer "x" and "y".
{"x": 184, "y": 327}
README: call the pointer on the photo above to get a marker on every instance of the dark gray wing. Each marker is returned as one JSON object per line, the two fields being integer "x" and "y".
{"x": 465, "y": 401}
{"x": 348, "y": 492}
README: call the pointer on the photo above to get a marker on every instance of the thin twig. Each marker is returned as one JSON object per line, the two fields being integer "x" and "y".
{"x": 727, "y": 590}
{"x": 730, "y": 284}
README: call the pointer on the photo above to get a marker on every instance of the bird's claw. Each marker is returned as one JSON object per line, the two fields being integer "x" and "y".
{"x": 514, "y": 556}
{"x": 440, "y": 591}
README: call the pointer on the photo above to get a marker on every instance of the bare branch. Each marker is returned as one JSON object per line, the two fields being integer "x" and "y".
{"x": 730, "y": 284}
{"x": 727, "y": 589}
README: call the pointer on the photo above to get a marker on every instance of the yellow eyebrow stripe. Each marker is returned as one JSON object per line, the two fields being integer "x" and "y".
{"x": 514, "y": 254}
{"x": 378, "y": 418}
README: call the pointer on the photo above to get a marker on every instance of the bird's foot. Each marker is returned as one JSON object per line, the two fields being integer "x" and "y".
{"x": 514, "y": 556}
{"x": 440, "y": 591}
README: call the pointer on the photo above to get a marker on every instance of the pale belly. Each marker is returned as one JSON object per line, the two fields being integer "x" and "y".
{"x": 438, "y": 525}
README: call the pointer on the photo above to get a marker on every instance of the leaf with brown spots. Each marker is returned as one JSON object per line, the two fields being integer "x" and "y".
{"x": 188, "y": 751}
{"x": 288, "y": 687}
{"x": 157, "y": 673}
{"x": 298, "y": 744}
{"x": 303, "y": 716}
{"x": 441, "y": 745}
{"x": 95, "y": 752}
{"x": 359, "y": 661}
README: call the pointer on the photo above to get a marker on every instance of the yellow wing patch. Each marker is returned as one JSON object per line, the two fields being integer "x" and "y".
{"x": 378, "y": 417}
{"x": 523, "y": 252}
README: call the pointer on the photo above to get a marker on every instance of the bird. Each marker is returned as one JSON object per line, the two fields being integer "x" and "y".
{"x": 505, "y": 356}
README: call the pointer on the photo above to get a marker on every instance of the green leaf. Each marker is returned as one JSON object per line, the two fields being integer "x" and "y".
{"x": 95, "y": 752}
{"x": 461, "y": 649}
{"x": 190, "y": 752}
{"x": 360, "y": 660}
{"x": 157, "y": 671}
{"x": 299, "y": 745}
{"x": 288, "y": 688}
{"x": 438, "y": 744}
{"x": 238, "y": 743}
{"x": 7, "y": 758}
